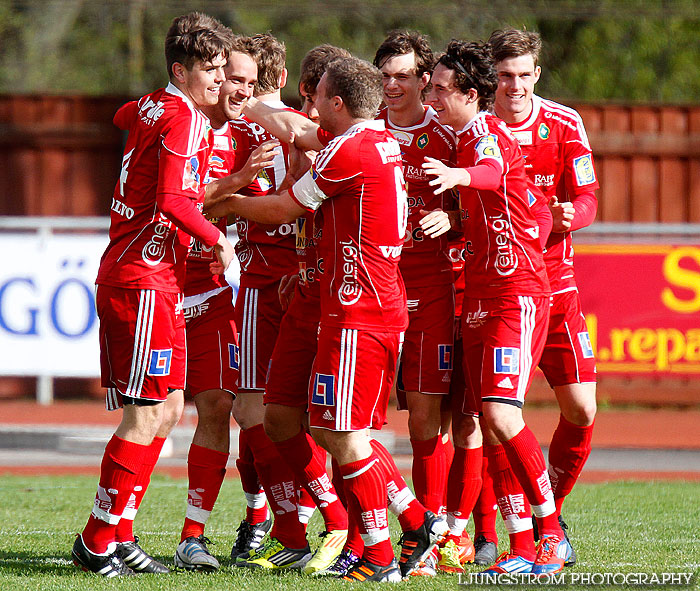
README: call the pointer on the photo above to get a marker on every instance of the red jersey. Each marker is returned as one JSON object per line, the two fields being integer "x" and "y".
{"x": 424, "y": 261}
{"x": 502, "y": 252}
{"x": 358, "y": 186}
{"x": 159, "y": 194}
{"x": 558, "y": 160}
{"x": 265, "y": 252}
{"x": 223, "y": 160}
{"x": 308, "y": 235}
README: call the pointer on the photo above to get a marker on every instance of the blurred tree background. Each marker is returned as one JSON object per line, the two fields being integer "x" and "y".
{"x": 644, "y": 51}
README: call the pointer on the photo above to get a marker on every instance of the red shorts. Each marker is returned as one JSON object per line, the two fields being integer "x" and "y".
{"x": 292, "y": 359}
{"x": 427, "y": 355}
{"x": 568, "y": 355}
{"x": 213, "y": 355}
{"x": 503, "y": 340}
{"x": 352, "y": 378}
{"x": 258, "y": 318}
{"x": 142, "y": 344}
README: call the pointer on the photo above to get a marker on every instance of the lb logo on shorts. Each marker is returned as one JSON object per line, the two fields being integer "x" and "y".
{"x": 160, "y": 362}
{"x": 445, "y": 357}
{"x": 506, "y": 360}
{"x": 324, "y": 390}
{"x": 585, "y": 341}
{"x": 234, "y": 356}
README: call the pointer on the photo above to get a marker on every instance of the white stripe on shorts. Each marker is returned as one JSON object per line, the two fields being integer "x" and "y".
{"x": 248, "y": 378}
{"x": 346, "y": 379}
{"x": 142, "y": 343}
{"x": 527, "y": 327}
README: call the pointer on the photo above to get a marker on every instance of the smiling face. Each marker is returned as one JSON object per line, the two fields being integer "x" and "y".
{"x": 202, "y": 83}
{"x": 308, "y": 106}
{"x": 517, "y": 77}
{"x": 402, "y": 86}
{"x": 454, "y": 108}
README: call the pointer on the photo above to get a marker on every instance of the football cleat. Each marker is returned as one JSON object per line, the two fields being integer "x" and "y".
{"x": 365, "y": 571}
{"x": 107, "y": 565}
{"x": 571, "y": 560}
{"x": 449, "y": 557}
{"x": 508, "y": 563}
{"x": 345, "y": 561}
{"x": 249, "y": 538}
{"x": 327, "y": 552}
{"x": 272, "y": 555}
{"x": 552, "y": 553}
{"x": 139, "y": 560}
{"x": 485, "y": 551}
{"x": 417, "y": 544}
{"x": 193, "y": 554}
{"x": 466, "y": 548}
{"x": 428, "y": 568}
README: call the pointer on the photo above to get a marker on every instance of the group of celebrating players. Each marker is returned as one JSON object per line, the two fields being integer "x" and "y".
{"x": 411, "y": 228}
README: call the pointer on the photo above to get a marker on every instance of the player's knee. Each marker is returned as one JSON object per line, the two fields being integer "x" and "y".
{"x": 582, "y": 414}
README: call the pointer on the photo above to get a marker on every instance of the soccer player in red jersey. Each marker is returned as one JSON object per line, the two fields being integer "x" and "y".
{"x": 406, "y": 60}
{"x": 558, "y": 159}
{"x": 212, "y": 341}
{"x": 155, "y": 210}
{"x": 506, "y": 303}
{"x": 357, "y": 185}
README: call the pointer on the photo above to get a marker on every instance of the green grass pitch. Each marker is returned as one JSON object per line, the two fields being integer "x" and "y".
{"x": 621, "y": 527}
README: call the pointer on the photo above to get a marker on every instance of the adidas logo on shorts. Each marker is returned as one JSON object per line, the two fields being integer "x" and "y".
{"x": 328, "y": 416}
{"x": 505, "y": 383}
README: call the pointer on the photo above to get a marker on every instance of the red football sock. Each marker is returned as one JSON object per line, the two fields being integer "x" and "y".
{"x": 206, "y": 469}
{"x": 354, "y": 542}
{"x": 486, "y": 507}
{"x": 526, "y": 460}
{"x": 121, "y": 463}
{"x": 125, "y": 527}
{"x": 280, "y": 487}
{"x": 568, "y": 452}
{"x": 256, "y": 501}
{"x": 402, "y": 503}
{"x": 512, "y": 502}
{"x": 429, "y": 473}
{"x": 308, "y": 462}
{"x": 463, "y": 486}
{"x": 365, "y": 485}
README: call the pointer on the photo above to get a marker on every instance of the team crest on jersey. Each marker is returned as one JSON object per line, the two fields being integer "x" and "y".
{"x": 234, "y": 143}
{"x": 159, "y": 364}
{"x": 444, "y": 357}
{"x": 324, "y": 390}
{"x": 422, "y": 141}
{"x": 584, "y": 340}
{"x": 264, "y": 180}
{"x": 190, "y": 176}
{"x": 543, "y": 131}
{"x": 234, "y": 356}
{"x": 506, "y": 360}
{"x": 584, "y": 170}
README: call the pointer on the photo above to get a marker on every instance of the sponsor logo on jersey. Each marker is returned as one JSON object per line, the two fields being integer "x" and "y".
{"x": 584, "y": 340}
{"x": 391, "y": 252}
{"x": 569, "y": 124}
{"x": 389, "y": 151}
{"x": 264, "y": 180}
{"x": 151, "y": 111}
{"x": 524, "y": 137}
{"x": 422, "y": 141}
{"x": 475, "y": 319}
{"x": 414, "y": 173}
{"x": 544, "y": 180}
{"x": 190, "y": 176}
{"x": 403, "y": 137}
{"x": 195, "y": 311}
{"x": 221, "y": 142}
{"x": 159, "y": 364}
{"x": 530, "y": 198}
{"x": 583, "y": 167}
{"x": 444, "y": 357}
{"x": 122, "y": 209}
{"x": 543, "y": 131}
{"x": 154, "y": 250}
{"x": 282, "y": 230}
{"x": 324, "y": 390}
{"x": 534, "y": 233}
{"x": 506, "y": 360}
{"x": 506, "y": 260}
{"x": 350, "y": 289}
{"x": 234, "y": 356}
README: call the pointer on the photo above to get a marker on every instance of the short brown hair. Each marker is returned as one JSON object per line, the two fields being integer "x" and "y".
{"x": 507, "y": 43}
{"x": 314, "y": 64}
{"x": 195, "y": 36}
{"x": 270, "y": 55}
{"x": 400, "y": 42}
{"x": 358, "y": 83}
{"x": 473, "y": 67}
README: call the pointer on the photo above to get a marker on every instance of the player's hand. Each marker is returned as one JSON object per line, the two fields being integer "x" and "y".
{"x": 299, "y": 162}
{"x": 445, "y": 176}
{"x": 285, "y": 291}
{"x": 434, "y": 223}
{"x": 262, "y": 157}
{"x": 220, "y": 207}
{"x": 224, "y": 255}
{"x": 562, "y": 214}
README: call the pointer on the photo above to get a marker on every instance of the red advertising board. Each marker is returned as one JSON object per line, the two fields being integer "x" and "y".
{"x": 642, "y": 306}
